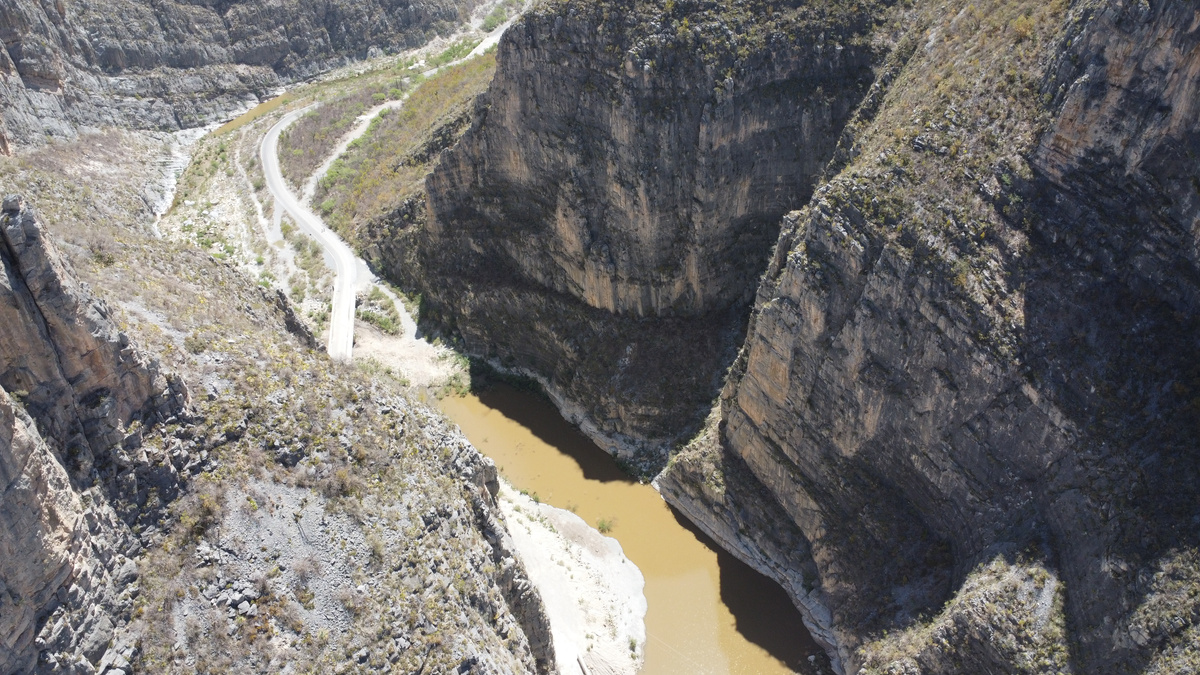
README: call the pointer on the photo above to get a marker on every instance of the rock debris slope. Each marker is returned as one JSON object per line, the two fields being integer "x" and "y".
{"x": 967, "y": 379}
{"x": 297, "y": 515}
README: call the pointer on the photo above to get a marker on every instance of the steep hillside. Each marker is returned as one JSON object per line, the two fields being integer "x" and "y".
{"x": 67, "y": 375}
{"x": 967, "y": 374}
{"x": 971, "y": 347}
{"x": 293, "y": 515}
{"x": 132, "y": 63}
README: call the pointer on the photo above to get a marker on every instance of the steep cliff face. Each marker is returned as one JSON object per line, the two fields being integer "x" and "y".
{"x": 961, "y": 354}
{"x": 79, "y": 377}
{"x": 72, "y": 391}
{"x": 41, "y": 509}
{"x": 603, "y": 221}
{"x": 967, "y": 375}
{"x": 67, "y": 65}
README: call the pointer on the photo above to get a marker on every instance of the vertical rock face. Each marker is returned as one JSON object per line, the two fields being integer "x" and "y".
{"x": 521, "y": 595}
{"x": 170, "y": 65}
{"x": 968, "y": 376}
{"x": 71, "y": 385}
{"x": 77, "y": 375}
{"x": 40, "y": 513}
{"x": 651, "y": 183}
{"x": 913, "y": 433}
{"x": 620, "y": 189}
{"x": 1124, "y": 144}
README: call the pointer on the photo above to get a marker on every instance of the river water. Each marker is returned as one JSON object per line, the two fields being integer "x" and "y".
{"x": 708, "y": 612}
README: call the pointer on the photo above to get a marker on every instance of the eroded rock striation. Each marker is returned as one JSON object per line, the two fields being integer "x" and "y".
{"x": 602, "y": 223}
{"x": 919, "y": 404}
{"x": 967, "y": 378}
{"x": 132, "y": 63}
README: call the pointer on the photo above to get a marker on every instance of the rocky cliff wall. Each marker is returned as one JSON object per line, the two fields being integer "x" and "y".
{"x": 73, "y": 391}
{"x": 75, "y": 372}
{"x": 41, "y": 509}
{"x": 67, "y": 567}
{"x": 995, "y": 362}
{"x": 621, "y": 187}
{"x": 967, "y": 376}
{"x": 78, "y": 63}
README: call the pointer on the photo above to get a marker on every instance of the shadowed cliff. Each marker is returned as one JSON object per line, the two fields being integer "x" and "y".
{"x": 603, "y": 222}
{"x": 966, "y": 379}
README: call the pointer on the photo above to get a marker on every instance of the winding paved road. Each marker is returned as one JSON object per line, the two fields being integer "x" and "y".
{"x": 341, "y": 318}
{"x": 346, "y": 263}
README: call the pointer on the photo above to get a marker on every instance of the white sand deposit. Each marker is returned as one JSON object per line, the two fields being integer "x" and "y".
{"x": 592, "y": 592}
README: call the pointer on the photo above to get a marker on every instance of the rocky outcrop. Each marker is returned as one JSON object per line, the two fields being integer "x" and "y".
{"x": 68, "y": 65}
{"x": 74, "y": 371}
{"x": 612, "y": 244}
{"x": 921, "y": 404}
{"x": 520, "y": 594}
{"x": 41, "y": 511}
{"x": 717, "y": 492}
{"x": 967, "y": 377}
{"x": 73, "y": 393}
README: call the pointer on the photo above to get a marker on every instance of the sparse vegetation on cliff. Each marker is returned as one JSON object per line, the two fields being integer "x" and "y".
{"x": 293, "y": 444}
{"x": 1010, "y": 610}
{"x": 406, "y": 580}
{"x": 388, "y": 164}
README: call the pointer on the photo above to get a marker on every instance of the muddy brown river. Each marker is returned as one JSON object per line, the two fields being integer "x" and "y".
{"x": 708, "y": 612}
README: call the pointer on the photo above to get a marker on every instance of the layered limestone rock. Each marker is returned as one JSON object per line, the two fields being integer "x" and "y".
{"x": 717, "y": 492}
{"x": 520, "y": 594}
{"x": 75, "y": 372}
{"x": 1005, "y": 380}
{"x": 72, "y": 392}
{"x": 65, "y": 560}
{"x": 602, "y": 223}
{"x": 41, "y": 511}
{"x": 967, "y": 380}
{"x": 133, "y": 63}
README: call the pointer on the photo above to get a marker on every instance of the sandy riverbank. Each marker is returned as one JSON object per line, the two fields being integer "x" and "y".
{"x": 592, "y": 592}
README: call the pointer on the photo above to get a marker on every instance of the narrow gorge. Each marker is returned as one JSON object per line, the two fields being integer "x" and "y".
{"x": 894, "y": 301}
{"x": 969, "y": 230}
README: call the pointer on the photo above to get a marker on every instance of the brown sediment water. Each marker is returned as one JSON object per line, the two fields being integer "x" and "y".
{"x": 708, "y": 612}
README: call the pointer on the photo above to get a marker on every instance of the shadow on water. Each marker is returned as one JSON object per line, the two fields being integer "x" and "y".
{"x": 543, "y": 421}
{"x": 762, "y": 611}
{"x": 759, "y": 612}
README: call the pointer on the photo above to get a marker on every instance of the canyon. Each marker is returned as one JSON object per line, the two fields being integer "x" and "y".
{"x": 68, "y": 66}
{"x": 894, "y": 300}
{"x": 970, "y": 235}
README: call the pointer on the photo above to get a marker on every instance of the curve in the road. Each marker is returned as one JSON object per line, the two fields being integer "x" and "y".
{"x": 341, "y": 317}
